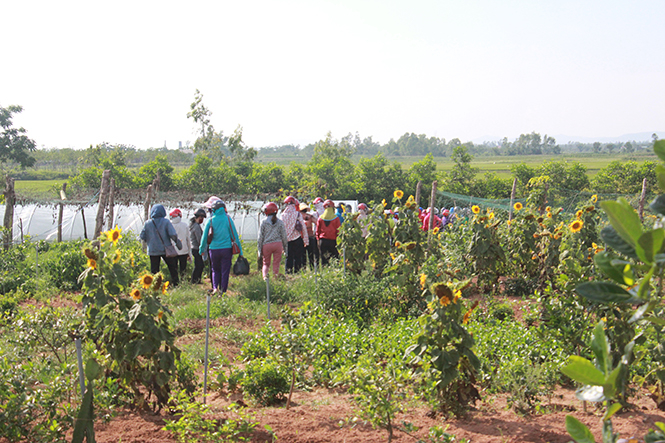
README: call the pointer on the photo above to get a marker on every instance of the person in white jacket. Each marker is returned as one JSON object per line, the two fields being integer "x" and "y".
{"x": 183, "y": 233}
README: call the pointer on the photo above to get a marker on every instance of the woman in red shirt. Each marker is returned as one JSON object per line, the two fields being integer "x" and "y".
{"x": 327, "y": 227}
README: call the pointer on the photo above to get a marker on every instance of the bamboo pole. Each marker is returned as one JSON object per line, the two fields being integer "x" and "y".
{"x": 10, "y": 200}
{"x": 642, "y": 198}
{"x": 61, "y": 205}
{"x": 103, "y": 199}
{"x": 146, "y": 204}
{"x": 85, "y": 227}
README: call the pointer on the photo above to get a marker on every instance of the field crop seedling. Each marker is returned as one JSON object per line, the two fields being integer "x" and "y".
{"x": 408, "y": 320}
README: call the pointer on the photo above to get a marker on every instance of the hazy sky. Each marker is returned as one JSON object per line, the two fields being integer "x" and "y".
{"x": 289, "y": 71}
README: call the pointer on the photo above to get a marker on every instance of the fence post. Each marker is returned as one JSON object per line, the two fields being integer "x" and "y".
{"x": 205, "y": 360}
{"x": 432, "y": 202}
{"x": 109, "y": 219}
{"x": 61, "y": 205}
{"x": 419, "y": 188}
{"x": 642, "y": 198}
{"x": 85, "y": 227}
{"x": 103, "y": 199}
{"x": 10, "y": 200}
{"x": 512, "y": 200}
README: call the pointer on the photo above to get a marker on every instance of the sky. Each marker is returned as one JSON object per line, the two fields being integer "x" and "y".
{"x": 290, "y": 71}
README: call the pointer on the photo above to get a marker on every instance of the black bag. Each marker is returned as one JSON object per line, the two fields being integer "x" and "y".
{"x": 241, "y": 267}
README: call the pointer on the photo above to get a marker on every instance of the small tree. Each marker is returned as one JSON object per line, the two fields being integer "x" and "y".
{"x": 15, "y": 146}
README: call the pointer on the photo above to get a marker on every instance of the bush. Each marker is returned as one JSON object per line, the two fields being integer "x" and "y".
{"x": 266, "y": 382}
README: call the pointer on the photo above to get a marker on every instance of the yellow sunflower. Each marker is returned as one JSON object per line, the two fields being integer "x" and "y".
{"x": 510, "y": 222}
{"x": 445, "y": 301}
{"x": 116, "y": 259}
{"x": 576, "y": 226}
{"x": 518, "y": 206}
{"x": 467, "y": 315}
{"x": 146, "y": 280}
{"x": 549, "y": 215}
{"x": 398, "y": 194}
{"x": 423, "y": 280}
{"x": 114, "y": 235}
{"x": 590, "y": 208}
{"x": 435, "y": 230}
{"x": 165, "y": 286}
{"x": 92, "y": 263}
{"x": 131, "y": 259}
{"x": 160, "y": 314}
{"x": 383, "y": 202}
{"x": 398, "y": 244}
{"x": 579, "y": 213}
{"x": 135, "y": 294}
{"x": 548, "y": 209}
{"x": 475, "y": 209}
{"x": 491, "y": 216}
{"x": 594, "y": 198}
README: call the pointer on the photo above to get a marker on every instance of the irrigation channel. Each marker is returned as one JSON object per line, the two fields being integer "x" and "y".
{"x": 39, "y": 222}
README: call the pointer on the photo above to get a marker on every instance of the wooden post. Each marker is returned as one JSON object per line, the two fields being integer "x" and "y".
{"x": 85, "y": 227}
{"x": 642, "y": 198}
{"x": 432, "y": 202}
{"x": 63, "y": 197}
{"x": 10, "y": 200}
{"x": 146, "y": 204}
{"x": 103, "y": 199}
{"x": 512, "y": 199}
{"x": 419, "y": 189}
{"x": 109, "y": 219}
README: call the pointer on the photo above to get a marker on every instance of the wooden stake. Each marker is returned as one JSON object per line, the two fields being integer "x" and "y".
{"x": 85, "y": 227}
{"x": 432, "y": 201}
{"x": 512, "y": 199}
{"x": 146, "y": 204}
{"x": 10, "y": 200}
{"x": 103, "y": 199}
{"x": 642, "y": 198}
{"x": 61, "y": 205}
{"x": 109, "y": 219}
{"x": 419, "y": 189}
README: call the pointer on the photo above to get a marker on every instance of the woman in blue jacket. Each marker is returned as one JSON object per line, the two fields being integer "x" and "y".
{"x": 155, "y": 233}
{"x": 221, "y": 228}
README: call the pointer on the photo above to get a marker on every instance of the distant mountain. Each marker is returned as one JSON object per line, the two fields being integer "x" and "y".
{"x": 564, "y": 139}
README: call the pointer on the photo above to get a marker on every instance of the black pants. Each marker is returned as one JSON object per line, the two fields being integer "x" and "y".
{"x": 181, "y": 262}
{"x": 313, "y": 253}
{"x": 328, "y": 250}
{"x": 198, "y": 267}
{"x": 295, "y": 255}
{"x": 155, "y": 261}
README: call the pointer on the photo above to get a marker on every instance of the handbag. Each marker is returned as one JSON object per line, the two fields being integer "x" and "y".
{"x": 234, "y": 246}
{"x": 169, "y": 249}
{"x": 241, "y": 267}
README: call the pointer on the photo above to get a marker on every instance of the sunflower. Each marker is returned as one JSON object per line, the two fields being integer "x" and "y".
{"x": 410, "y": 245}
{"x": 590, "y": 208}
{"x": 594, "y": 198}
{"x": 146, "y": 280}
{"x": 518, "y": 206}
{"x": 90, "y": 253}
{"x": 92, "y": 263}
{"x": 535, "y": 235}
{"x": 510, "y": 222}
{"x": 135, "y": 294}
{"x": 160, "y": 314}
{"x": 165, "y": 286}
{"x": 549, "y": 215}
{"x": 435, "y": 230}
{"x": 116, "y": 259}
{"x": 457, "y": 296}
{"x": 445, "y": 301}
{"x": 398, "y": 244}
{"x": 114, "y": 235}
{"x": 578, "y": 214}
{"x": 466, "y": 317}
{"x": 398, "y": 194}
{"x": 576, "y": 226}
{"x": 475, "y": 209}
{"x": 157, "y": 283}
{"x": 491, "y": 216}
{"x": 383, "y": 202}
{"x": 423, "y": 280}
{"x": 548, "y": 209}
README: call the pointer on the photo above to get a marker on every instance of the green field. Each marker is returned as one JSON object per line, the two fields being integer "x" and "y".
{"x": 38, "y": 187}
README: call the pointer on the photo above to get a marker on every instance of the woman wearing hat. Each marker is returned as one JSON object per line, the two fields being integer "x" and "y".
{"x": 195, "y": 234}
{"x": 312, "y": 250}
{"x": 327, "y": 227}
{"x": 272, "y": 240}
{"x": 182, "y": 231}
{"x": 221, "y": 230}
{"x": 296, "y": 234}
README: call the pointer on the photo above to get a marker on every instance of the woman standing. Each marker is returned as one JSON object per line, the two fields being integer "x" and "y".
{"x": 327, "y": 227}
{"x": 272, "y": 240}
{"x": 296, "y": 234}
{"x": 156, "y": 232}
{"x": 312, "y": 251}
{"x": 195, "y": 234}
{"x": 182, "y": 231}
{"x": 221, "y": 230}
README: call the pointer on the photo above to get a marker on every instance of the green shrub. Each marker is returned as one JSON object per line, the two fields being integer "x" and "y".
{"x": 266, "y": 382}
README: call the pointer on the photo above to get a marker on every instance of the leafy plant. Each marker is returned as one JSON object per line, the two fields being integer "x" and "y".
{"x": 266, "y": 381}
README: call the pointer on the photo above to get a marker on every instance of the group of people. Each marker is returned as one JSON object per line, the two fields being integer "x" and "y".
{"x": 214, "y": 241}
{"x": 303, "y": 233}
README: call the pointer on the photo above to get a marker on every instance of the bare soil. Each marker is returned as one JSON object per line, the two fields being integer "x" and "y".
{"x": 327, "y": 416}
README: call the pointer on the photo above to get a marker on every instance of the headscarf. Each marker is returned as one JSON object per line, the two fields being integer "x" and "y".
{"x": 328, "y": 214}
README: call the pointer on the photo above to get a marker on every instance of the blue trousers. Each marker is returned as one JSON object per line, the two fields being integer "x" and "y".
{"x": 220, "y": 262}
